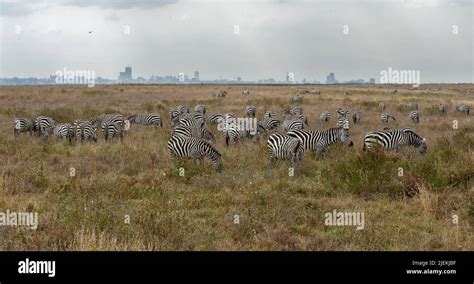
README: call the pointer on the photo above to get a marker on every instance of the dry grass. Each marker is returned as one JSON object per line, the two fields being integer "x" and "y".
{"x": 196, "y": 212}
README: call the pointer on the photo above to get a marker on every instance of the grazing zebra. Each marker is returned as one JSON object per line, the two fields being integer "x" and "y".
{"x": 325, "y": 116}
{"x": 197, "y": 149}
{"x": 250, "y": 111}
{"x": 64, "y": 130}
{"x": 395, "y": 139}
{"x": 301, "y": 117}
{"x": 356, "y": 116}
{"x": 297, "y": 99}
{"x": 319, "y": 141}
{"x": 220, "y": 94}
{"x": 294, "y": 110}
{"x": 463, "y": 108}
{"x": 382, "y": 106}
{"x": 85, "y": 130}
{"x": 415, "y": 116}
{"x": 342, "y": 113}
{"x": 113, "y": 129}
{"x": 269, "y": 123}
{"x": 385, "y": 117}
{"x": 269, "y": 114}
{"x": 43, "y": 122}
{"x": 21, "y": 124}
{"x": 342, "y": 122}
{"x": 292, "y": 124}
{"x": 146, "y": 119}
{"x": 246, "y": 92}
{"x": 314, "y": 92}
{"x": 182, "y": 109}
{"x": 100, "y": 120}
{"x": 200, "y": 109}
{"x": 189, "y": 131}
{"x": 174, "y": 117}
{"x": 216, "y": 118}
{"x": 411, "y": 105}
{"x": 231, "y": 134}
{"x": 195, "y": 123}
{"x": 192, "y": 115}
{"x": 284, "y": 147}
{"x": 443, "y": 108}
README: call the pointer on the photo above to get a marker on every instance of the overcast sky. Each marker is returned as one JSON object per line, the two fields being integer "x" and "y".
{"x": 275, "y": 37}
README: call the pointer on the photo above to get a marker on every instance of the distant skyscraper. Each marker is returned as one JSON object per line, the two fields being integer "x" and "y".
{"x": 331, "y": 79}
{"x": 126, "y": 76}
{"x": 196, "y": 76}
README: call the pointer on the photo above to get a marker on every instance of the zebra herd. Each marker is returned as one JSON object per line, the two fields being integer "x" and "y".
{"x": 191, "y": 137}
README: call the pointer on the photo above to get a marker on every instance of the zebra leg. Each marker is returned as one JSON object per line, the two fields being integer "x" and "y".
{"x": 271, "y": 164}
{"x": 319, "y": 154}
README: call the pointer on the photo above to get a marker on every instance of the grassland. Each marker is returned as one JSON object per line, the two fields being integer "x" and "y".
{"x": 196, "y": 212}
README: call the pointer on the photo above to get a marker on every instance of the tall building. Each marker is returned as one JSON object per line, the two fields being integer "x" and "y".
{"x": 126, "y": 76}
{"x": 196, "y": 76}
{"x": 331, "y": 79}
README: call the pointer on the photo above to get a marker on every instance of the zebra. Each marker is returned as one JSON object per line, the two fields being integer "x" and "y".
{"x": 356, "y": 116}
{"x": 21, "y": 124}
{"x": 192, "y": 115}
{"x": 301, "y": 117}
{"x": 85, "y": 130}
{"x": 146, "y": 119}
{"x": 314, "y": 92}
{"x": 411, "y": 105}
{"x": 174, "y": 116}
{"x": 443, "y": 108}
{"x": 250, "y": 111}
{"x": 113, "y": 129}
{"x": 395, "y": 139}
{"x": 325, "y": 116}
{"x": 231, "y": 134}
{"x": 64, "y": 130}
{"x": 385, "y": 117}
{"x": 43, "y": 122}
{"x": 197, "y": 149}
{"x": 182, "y": 109}
{"x": 342, "y": 118}
{"x": 297, "y": 99}
{"x": 463, "y": 108}
{"x": 246, "y": 92}
{"x": 189, "y": 131}
{"x": 195, "y": 123}
{"x": 200, "y": 109}
{"x": 220, "y": 94}
{"x": 284, "y": 147}
{"x": 415, "y": 116}
{"x": 294, "y": 110}
{"x": 319, "y": 141}
{"x": 382, "y": 106}
{"x": 342, "y": 113}
{"x": 107, "y": 118}
{"x": 269, "y": 123}
{"x": 292, "y": 124}
{"x": 216, "y": 118}
{"x": 269, "y": 114}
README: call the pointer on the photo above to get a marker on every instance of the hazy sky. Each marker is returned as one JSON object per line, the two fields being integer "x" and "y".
{"x": 275, "y": 37}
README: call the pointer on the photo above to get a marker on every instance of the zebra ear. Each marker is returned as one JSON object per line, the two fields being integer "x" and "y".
{"x": 423, "y": 140}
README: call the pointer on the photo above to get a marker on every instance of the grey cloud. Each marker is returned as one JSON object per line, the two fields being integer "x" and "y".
{"x": 120, "y": 4}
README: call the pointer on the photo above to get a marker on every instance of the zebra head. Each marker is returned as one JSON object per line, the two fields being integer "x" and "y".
{"x": 345, "y": 138}
{"x": 423, "y": 148}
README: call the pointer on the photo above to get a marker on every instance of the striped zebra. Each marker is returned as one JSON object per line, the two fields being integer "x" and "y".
{"x": 411, "y": 105}
{"x": 301, "y": 117}
{"x": 43, "y": 122}
{"x": 231, "y": 134}
{"x": 146, "y": 119}
{"x": 395, "y": 139}
{"x": 100, "y": 120}
{"x": 356, "y": 115}
{"x": 174, "y": 116}
{"x": 292, "y": 124}
{"x": 113, "y": 129}
{"x": 250, "y": 111}
{"x": 216, "y": 118}
{"x": 443, "y": 108}
{"x": 319, "y": 141}
{"x": 189, "y": 131}
{"x": 284, "y": 147}
{"x": 64, "y": 130}
{"x": 382, "y": 106}
{"x": 246, "y": 92}
{"x": 385, "y": 117}
{"x": 21, "y": 125}
{"x": 193, "y": 115}
{"x": 269, "y": 114}
{"x": 463, "y": 108}
{"x": 200, "y": 109}
{"x": 294, "y": 110}
{"x": 220, "y": 94}
{"x": 197, "y": 149}
{"x": 342, "y": 118}
{"x": 415, "y": 116}
{"x": 195, "y": 123}
{"x": 297, "y": 99}
{"x": 85, "y": 130}
{"x": 342, "y": 113}
{"x": 182, "y": 109}
{"x": 314, "y": 92}
{"x": 269, "y": 123}
{"x": 325, "y": 116}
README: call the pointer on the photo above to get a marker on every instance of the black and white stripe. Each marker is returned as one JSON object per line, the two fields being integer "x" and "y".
{"x": 216, "y": 118}
{"x": 113, "y": 129}
{"x": 146, "y": 119}
{"x": 182, "y": 109}
{"x": 325, "y": 116}
{"x": 42, "y": 123}
{"x": 395, "y": 139}
{"x": 197, "y": 149}
{"x": 250, "y": 111}
{"x": 294, "y": 110}
{"x": 319, "y": 141}
{"x": 269, "y": 114}
{"x": 284, "y": 147}
{"x": 385, "y": 117}
{"x": 415, "y": 116}
{"x": 197, "y": 132}
{"x": 174, "y": 116}
{"x": 22, "y": 124}
{"x": 85, "y": 130}
{"x": 64, "y": 130}
{"x": 463, "y": 108}
{"x": 200, "y": 109}
{"x": 292, "y": 124}
{"x": 269, "y": 123}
